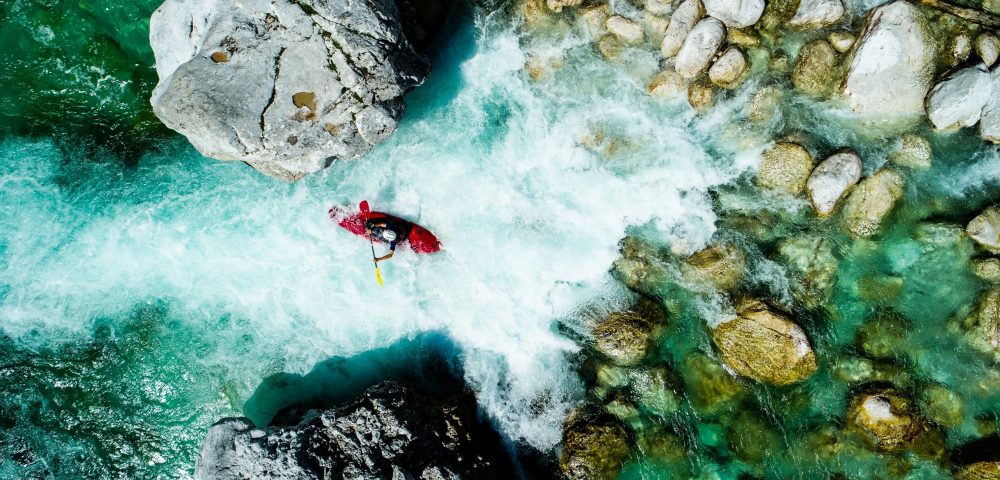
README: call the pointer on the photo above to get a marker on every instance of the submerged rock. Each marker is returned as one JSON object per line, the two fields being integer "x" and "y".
{"x": 668, "y": 84}
{"x": 988, "y": 470}
{"x": 785, "y": 168}
{"x": 283, "y": 86}
{"x": 765, "y": 104}
{"x": 626, "y": 337}
{"x": 985, "y": 228}
{"x": 391, "y": 431}
{"x": 814, "y": 71}
{"x": 730, "y": 69}
{"x": 628, "y": 31}
{"x": 593, "y": 448}
{"x": 893, "y": 65}
{"x": 871, "y": 201}
{"x": 817, "y": 13}
{"x": 722, "y": 265}
{"x": 701, "y": 95}
{"x": 943, "y": 406}
{"x": 712, "y": 388}
{"x": 699, "y": 47}
{"x": 735, "y": 13}
{"x": 884, "y": 336}
{"x": 983, "y": 324}
{"x": 593, "y": 20}
{"x": 764, "y": 345}
{"x": 958, "y": 100}
{"x": 885, "y": 420}
{"x": 913, "y": 152}
{"x": 682, "y": 21}
{"x": 987, "y": 269}
{"x": 831, "y": 180}
{"x": 813, "y": 266}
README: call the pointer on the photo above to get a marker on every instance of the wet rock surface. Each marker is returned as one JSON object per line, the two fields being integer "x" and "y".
{"x": 594, "y": 447}
{"x": 764, "y": 345}
{"x": 885, "y": 419}
{"x": 317, "y": 80}
{"x": 893, "y": 65}
{"x": 391, "y": 431}
{"x": 831, "y": 180}
{"x": 871, "y": 201}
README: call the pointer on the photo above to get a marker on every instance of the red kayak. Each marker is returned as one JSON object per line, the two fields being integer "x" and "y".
{"x": 420, "y": 239}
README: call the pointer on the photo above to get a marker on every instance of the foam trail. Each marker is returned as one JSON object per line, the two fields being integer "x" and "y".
{"x": 529, "y": 219}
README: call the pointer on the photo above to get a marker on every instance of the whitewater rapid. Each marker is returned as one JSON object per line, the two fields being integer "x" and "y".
{"x": 491, "y": 162}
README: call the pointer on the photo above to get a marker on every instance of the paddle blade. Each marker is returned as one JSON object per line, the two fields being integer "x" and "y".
{"x": 364, "y": 207}
{"x": 378, "y": 276}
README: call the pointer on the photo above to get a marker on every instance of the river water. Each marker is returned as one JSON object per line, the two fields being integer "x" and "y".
{"x": 146, "y": 291}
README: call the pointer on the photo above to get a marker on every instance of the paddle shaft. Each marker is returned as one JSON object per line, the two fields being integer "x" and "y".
{"x": 371, "y": 242}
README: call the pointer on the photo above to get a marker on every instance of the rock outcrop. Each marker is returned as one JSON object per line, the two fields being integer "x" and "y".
{"x": 958, "y": 101}
{"x": 764, "y": 345}
{"x": 391, "y": 431}
{"x": 831, "y": 180}
{"x": 286, "y": 86}
{"x": 893, "y": 65}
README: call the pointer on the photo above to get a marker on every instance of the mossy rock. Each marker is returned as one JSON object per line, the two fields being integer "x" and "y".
{"x": 813, "y": 266}
{"x": 721, "y": 265}
{"x": 884, "y": 336}
{"x": 979, "y": 471}
{"x": 764, "y": 345}
{"x": 751, "y": 439}
{"x": 886, "y": 420}
{"x": 713, "y": 390}
{"x": 641, "y": 267}
{"x": 816, "y": 68}
{"x": 983, "y": 324}
{"x": 593, "y": 447}
{"x": 943, "y": 406}
{"x": 785, "y": 168}
{"x": 626, "y": 337}
{"x": 871, "y": 201}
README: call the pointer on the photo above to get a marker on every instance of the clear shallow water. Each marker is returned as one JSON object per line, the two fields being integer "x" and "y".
{"x": 147, "y": 292}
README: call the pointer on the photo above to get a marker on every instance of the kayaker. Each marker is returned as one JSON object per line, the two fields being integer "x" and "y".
{"x": 389, "y": 231}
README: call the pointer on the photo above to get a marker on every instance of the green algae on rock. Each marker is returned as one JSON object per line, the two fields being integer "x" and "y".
{"x": 764, "y": 345}
{"x": 886, "y": 420}
{"x": 627, "y": 336}
{"x": 594, "y": 448}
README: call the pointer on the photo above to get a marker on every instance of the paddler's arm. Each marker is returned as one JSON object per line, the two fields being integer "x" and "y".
{"x": 392, "y": 249}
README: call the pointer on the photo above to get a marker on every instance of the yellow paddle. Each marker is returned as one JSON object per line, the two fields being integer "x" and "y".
{"x": 365, "y": 211}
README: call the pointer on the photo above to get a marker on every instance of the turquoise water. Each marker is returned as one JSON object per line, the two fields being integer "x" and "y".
{"x": 147, "y": 291}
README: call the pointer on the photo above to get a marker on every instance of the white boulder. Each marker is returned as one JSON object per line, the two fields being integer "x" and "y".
{"x": 893, "y": 65}
{"x": 283, "y": 88}
{"x": 735, "y": 13}
{"x": 958, "y": 100}
{"x": 817, "y": 13}
{"x": 700, "y": 46}
{"x": 831, "y": 180}
{"x": 681, "y": 23}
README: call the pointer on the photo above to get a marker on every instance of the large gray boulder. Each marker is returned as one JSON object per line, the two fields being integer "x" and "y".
{"x": 285, "y": 85}
{"x": 958, "y": 100}
{"x": 700, "y": 47}
{"x": 831, "y": 179}
{"x": 391, "y": 431}
{"x": 681, "y": 23}
{"x": 735, "y": 13}
{"x": 817, "y": 13}
{"x": 989, "y": 124}
{"x": 893, "y": 65}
